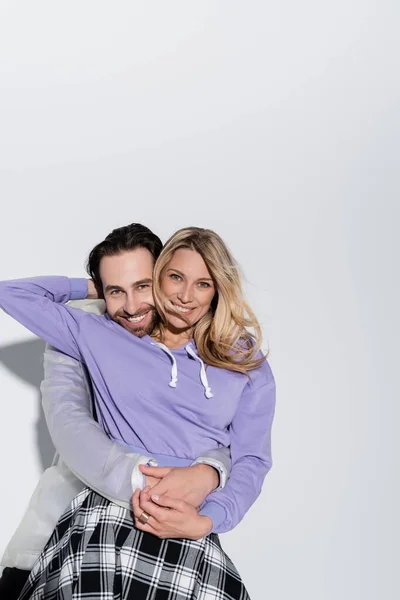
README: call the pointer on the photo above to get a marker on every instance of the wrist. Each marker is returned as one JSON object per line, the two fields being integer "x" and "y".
{"x": 211, "y": 474}
{"x": 205, "y": 526}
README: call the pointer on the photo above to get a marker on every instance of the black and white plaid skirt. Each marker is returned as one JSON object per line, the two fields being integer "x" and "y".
{"x": 96, "y": 553}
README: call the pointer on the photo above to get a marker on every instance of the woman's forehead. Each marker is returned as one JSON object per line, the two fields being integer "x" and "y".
{"x": 189, "y": 262}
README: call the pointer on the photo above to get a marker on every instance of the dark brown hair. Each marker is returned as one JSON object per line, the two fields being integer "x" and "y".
{"x": 122, "y": 239}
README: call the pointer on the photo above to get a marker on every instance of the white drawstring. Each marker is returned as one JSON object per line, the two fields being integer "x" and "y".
{"x": 203, "y": 375}
{"x": 174, "y": 367}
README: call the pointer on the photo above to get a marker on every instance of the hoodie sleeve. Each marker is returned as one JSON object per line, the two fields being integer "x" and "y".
{"x": 38, "y": 304}
{"x": 250, "y": 434}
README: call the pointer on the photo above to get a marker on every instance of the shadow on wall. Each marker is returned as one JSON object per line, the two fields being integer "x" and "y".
{"x": 25, "y": 360}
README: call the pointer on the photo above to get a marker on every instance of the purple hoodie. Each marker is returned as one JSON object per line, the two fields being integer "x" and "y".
{"x": 155, "y": 400}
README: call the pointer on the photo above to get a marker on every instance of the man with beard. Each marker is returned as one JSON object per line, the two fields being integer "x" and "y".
{"x": 88, "y": 456}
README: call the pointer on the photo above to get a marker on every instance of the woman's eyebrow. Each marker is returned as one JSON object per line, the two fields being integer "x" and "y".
{"x": 183, "y": 275}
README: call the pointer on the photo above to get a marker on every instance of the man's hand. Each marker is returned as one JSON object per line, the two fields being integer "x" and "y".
{"x": 92, "y": 291}
{"x": 169, "y": 518}
{"x": 152, "y": 481}
{"x": 191, "y": 484}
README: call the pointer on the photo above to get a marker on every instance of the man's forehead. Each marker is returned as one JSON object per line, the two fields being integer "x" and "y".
{"x": 133, "y": 265}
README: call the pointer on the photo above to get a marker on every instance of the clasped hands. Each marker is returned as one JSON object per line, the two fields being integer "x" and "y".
{"x": 172, "y": 498}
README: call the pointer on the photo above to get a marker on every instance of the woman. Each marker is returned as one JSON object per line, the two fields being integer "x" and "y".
{"x": 197, "y": 288}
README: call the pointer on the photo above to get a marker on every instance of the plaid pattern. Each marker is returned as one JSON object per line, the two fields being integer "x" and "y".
{"x": 96, "y": 553}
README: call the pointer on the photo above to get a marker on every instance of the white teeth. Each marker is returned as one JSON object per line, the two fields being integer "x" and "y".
{"x": 136, "y": 319}
{"x": 181, "y": 309}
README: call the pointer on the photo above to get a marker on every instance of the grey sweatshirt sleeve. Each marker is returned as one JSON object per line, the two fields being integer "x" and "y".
{"x": 106, "y": 466}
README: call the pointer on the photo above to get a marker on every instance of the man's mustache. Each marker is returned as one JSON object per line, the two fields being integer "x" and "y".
{"x": 138, "y": 313}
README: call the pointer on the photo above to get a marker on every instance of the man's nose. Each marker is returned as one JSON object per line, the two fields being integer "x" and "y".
{"x": 131, "y": 305}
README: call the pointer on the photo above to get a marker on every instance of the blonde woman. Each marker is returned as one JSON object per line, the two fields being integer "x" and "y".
{"x": 201, "y": 376}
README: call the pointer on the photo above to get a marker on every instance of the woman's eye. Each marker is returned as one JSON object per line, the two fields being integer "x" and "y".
{"x": 204, "y": 284}
{"x": 175, "y": 277}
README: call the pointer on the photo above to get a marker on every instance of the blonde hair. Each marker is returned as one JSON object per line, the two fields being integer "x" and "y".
{"x": 221, "y": 335}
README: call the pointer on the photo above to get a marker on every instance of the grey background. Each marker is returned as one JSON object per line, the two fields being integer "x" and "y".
{"x": 276, "y": 124}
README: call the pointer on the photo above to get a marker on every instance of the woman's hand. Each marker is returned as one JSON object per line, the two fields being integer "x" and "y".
{"x": 169, "y": 517}
{"x": 191, "y": 484}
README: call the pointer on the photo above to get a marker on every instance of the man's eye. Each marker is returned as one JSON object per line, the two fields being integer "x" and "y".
{"x": 115, "y": 292}
{"x": 145, "y": 286}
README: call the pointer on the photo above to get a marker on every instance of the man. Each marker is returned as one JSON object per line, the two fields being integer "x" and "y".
{"x": 121, "y": 269}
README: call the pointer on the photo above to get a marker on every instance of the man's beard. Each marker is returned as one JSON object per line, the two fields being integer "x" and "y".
{"x": 120, "y": 317}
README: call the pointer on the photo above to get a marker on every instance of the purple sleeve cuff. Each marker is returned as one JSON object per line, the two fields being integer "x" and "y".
{"x": 216, "y": 513}
{"x": 79, "y": 288}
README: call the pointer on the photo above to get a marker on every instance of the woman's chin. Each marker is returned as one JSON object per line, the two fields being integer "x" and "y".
{"x": 178, "y": 323}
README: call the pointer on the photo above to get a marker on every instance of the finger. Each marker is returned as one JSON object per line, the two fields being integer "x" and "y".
{"x": 139, "y": 503}
{"x": 147, "y": 528}
{"x": 159, "y": 514}
{"x": 167, "y": 502}
{"x": 147, "y": 505}
{"x": 137, "y": 511}
{"x": 159, "y": 488}
{"x": 144, "y": 497}
{"x": 144, "y": 493}
{"x": 152, "y": 481}
{"x": 136, "y": 494}
{"x": 157, "y": 472}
